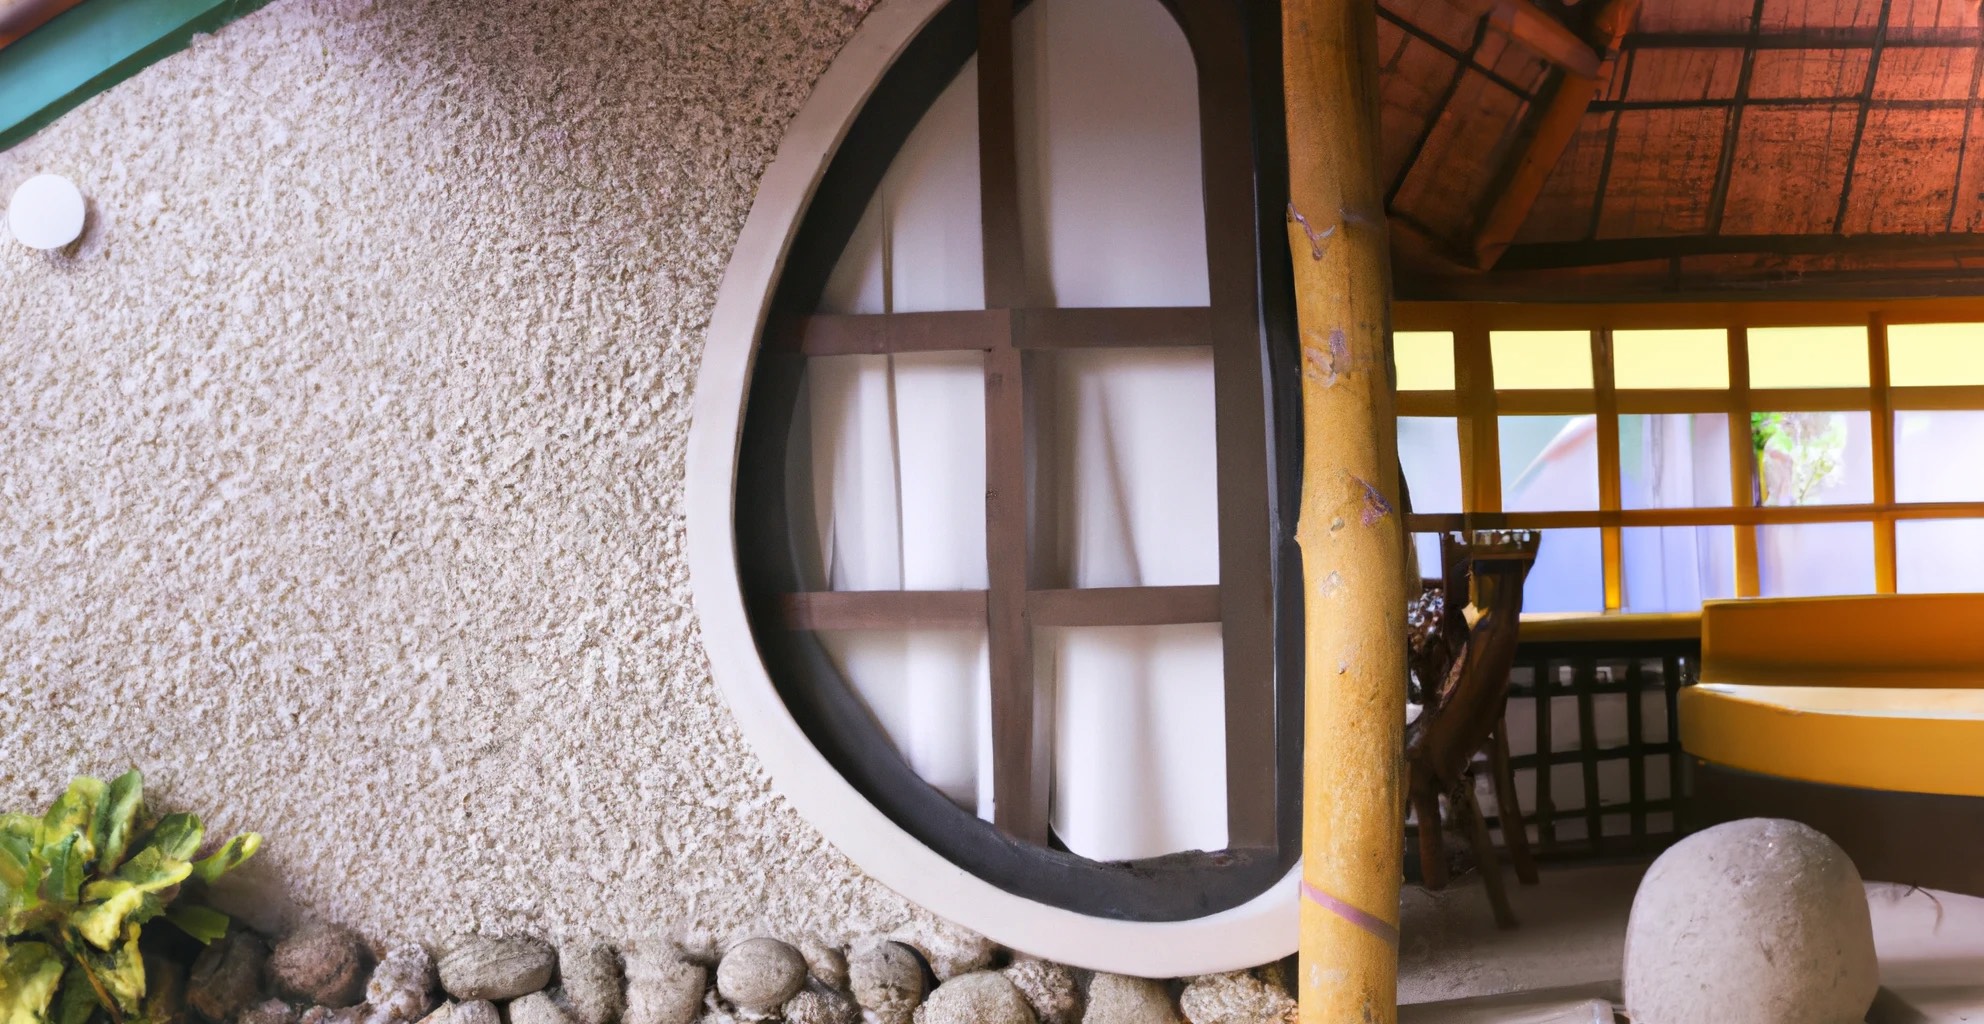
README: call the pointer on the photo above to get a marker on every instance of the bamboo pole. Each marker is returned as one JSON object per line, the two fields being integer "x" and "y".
{"x": 1351, "y": 534}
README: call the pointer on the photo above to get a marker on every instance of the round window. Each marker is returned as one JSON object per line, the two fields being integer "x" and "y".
{"x": 992, "y": 482}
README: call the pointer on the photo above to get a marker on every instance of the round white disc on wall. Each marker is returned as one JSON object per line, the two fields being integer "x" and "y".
{"x": 46, "y": 212}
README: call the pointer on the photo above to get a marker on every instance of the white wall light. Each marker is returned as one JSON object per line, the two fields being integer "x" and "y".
{"x": 46, "y": 212}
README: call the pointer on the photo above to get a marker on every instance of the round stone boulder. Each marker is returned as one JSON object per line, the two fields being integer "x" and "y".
{"x": 320, "y": 963}
{"x": 484, "y": 968}
{"x": 759, "y": 975}
{"x": 889, "y": 980}
{"x": 980, "y": 997}
{"x": 1761, "y": 921}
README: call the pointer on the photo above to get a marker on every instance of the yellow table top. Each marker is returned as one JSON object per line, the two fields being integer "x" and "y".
{"x": 1902, "y": 739}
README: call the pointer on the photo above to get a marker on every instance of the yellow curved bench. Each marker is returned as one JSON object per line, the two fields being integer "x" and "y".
{"x": 1877, "y": 693}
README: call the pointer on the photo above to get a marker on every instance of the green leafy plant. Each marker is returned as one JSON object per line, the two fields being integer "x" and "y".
{"x": 1797, "y": 454}
{"x": 76, "y": 886}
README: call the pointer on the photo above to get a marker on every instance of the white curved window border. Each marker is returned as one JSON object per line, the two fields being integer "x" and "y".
{"x": 1259, "y": 931}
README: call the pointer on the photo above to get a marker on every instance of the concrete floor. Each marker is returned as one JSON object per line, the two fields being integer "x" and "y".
{"x": 1562, "y": 964}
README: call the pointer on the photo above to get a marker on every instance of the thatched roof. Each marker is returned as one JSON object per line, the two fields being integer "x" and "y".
{"x": 1728, "y": 145}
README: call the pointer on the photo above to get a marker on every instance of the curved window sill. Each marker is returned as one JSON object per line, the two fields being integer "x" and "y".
{"x": 1582, "y": 627}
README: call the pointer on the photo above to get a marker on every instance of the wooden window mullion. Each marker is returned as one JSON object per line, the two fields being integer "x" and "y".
{"x": 1742, "y": 459}
{"x": 1242, "y": 451}
{"x": 1607, "y": 405}
{"x": 1880, "y": 419}
{"x": 1022, "y": 723}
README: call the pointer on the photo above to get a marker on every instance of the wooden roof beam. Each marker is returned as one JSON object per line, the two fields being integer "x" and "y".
{"x": 1537, "y": 31}
{"x": 1550, "y": 132}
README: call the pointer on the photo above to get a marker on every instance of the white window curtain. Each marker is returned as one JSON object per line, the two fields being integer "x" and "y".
{"x": 1111, "y": 215}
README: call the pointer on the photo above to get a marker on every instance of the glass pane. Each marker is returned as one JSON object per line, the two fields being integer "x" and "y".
{"x": 1139, "y": 738}
{"x": 1429, "y": 452}
{"x": 1808, "y": 357}
{"x": 1939, "y": 556}
{"x": 1678, "y": 460}
{"x": 1569, "y": 574}
{"x": 1813, "y": 458}
{"x": 1932, "y": 355}
{"x": 1815, "y": 559}
{"x": 1112, "y": 201}
{"x": 1936, "y": 455}
{"x": 918, "y": 247}
{"x": 1426, "y": 549}
{"x": 931, "y": 691}
{"x": 1541, "y": 360}
{"x": 1424, "y": 360}
{"x": 894, "y": 448}
{"x": 1549, "y": 463}
{"x": 1676, "y": 568}
{"x": 1670, "y": 359}
{"x": 1133, "y": 468}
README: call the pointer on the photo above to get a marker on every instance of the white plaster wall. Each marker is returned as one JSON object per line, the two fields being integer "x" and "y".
{"x": 340, "y": 462}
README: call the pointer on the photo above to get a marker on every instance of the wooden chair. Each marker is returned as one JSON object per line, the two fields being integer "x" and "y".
{"x": 1464, "y": 671}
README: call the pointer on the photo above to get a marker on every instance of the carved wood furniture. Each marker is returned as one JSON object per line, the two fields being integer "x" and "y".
{"x": 1464, "y": 670}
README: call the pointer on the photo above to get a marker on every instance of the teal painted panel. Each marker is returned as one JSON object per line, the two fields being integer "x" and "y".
{"x": 90, "y": 48}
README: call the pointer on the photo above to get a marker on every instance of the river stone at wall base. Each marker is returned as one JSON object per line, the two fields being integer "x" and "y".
{"x": 591, "y": 978}
{"x": 1236, "y": 998}
{"x": 537, "y": 1008}
{"x": 1116, "y": 999}
{"x": 1760, "y": 921}
{"x": 980, "y": 997}
{"x": 320, "y": 963}
{"x": 227, "y": 977}
{"x": 759, "y": 975}
{"x": 888, "y": 979}
{"x": 1049, "y": 988}
{"x": 480, "y": 968}
{"x": 402, "y": 986}
{"x": 664, "y": 987}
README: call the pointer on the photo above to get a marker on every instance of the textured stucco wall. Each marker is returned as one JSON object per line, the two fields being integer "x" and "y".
{"x": 342, "y": 460}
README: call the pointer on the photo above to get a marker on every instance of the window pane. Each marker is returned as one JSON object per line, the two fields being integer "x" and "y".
{"x": 1808, "y": 357}
{"x": 1106, "y": 112}
{"x": 1133, "y": 467}
{"x": 1426, "y": 546}
{"x": 1939, "y": 556}
{"x": 1936, "y": 455}
{"x": 1569, "y": 574}
{"x": 1813, "y": 458}
{"x": 1139, "y": 738}
{"x": 894, "y": 447}
{"x": 1424, "y": 360}
{"x": 1541, "y": 360}
{"x": 1429, "y": 452}
{"x": 1671, "y": 359}
{"x": 1930, "y": 355}
{"x": 1815, "y": 559}
{"x": 931, "y": 691}
{"x": 1678, "y": 460}
{"x": 1549, "y": 463}
{"x": 1676, "y": 568}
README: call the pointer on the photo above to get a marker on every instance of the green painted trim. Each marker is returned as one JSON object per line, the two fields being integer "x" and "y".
{"x": 93, "y": 46}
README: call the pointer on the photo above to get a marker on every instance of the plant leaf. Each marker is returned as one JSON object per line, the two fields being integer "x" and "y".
{"x": 77, "y": 1000}
{"x": 203, "y": 923}
{"x": 228, "y": 857}
{"x": 121, "y": 970}
{"x": 20, "y": 838}
{"x": 176, "y": 836}
{"x": 75, "y": 813}
{"x": 152, "y": 871}
{"x": 116, "y": 815}
{"x": 112, "y": 904}
{"x": 29, "y": 975}
{"x": 64, "y": 881}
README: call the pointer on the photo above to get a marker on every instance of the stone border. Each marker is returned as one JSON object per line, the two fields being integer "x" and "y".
{"x": 1261, "y": 930}
{"x": 323, "y": 974}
